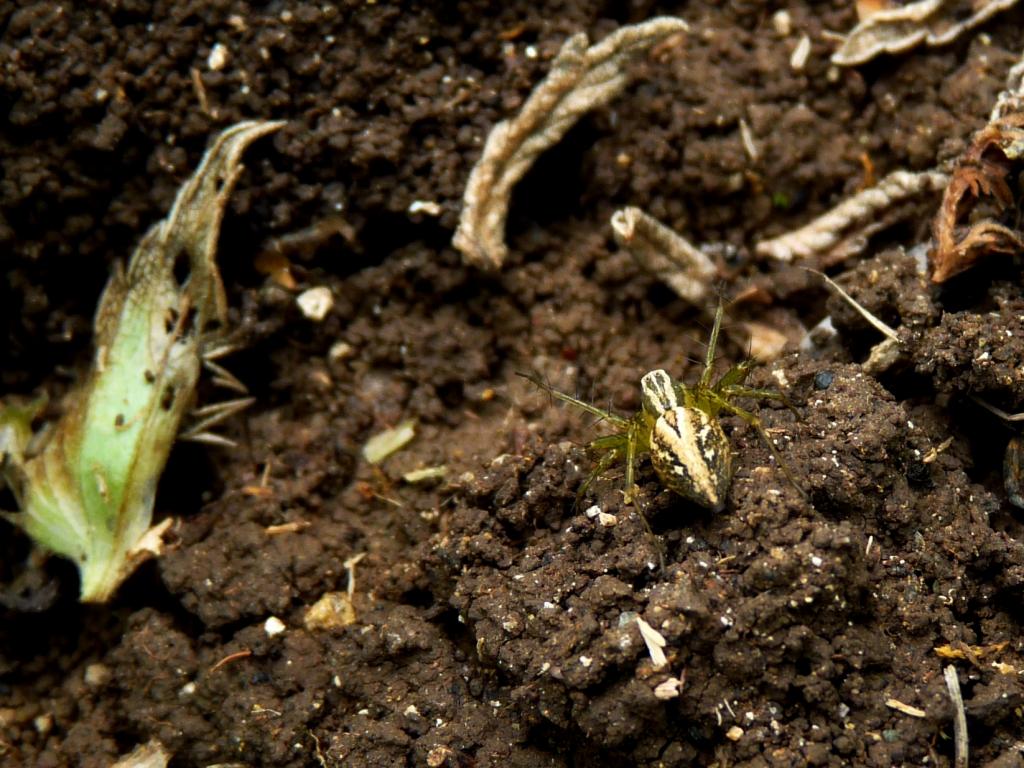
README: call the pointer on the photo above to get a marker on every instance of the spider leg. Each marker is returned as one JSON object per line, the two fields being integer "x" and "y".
{"x": 735, "y": 375}
{"x": 762, "y": 394}
{"x": 631, "y": 452}
{"x": 755, "y": 422}
{"x": 608, "y": 416}
{"x": 611, "y": 456}
{"x": 709, "y": 361}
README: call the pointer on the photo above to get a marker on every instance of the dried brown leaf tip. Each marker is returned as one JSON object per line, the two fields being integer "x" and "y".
{"x": 582, "y": 78}
{"x": 966, "y": 226}
{"x": 894, "y": 30}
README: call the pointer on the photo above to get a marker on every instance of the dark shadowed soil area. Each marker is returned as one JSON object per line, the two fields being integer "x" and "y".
{"x": 494, "y": 613}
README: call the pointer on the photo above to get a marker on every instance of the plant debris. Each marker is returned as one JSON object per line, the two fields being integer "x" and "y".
{"x": 152, "y": 754}
{"x": 984, "y": 173}
{"x": 390, "y": 441}
{"x": 897, "y": 30}
{"x": 906, "y": 709}
{"x": 89, "y": 494}
{"x": 844, "y": 231}
{"x": 1013, "y": 471}
{"x": 425, "y": 474}
{"x": 970, "y": 652}
{"x": 962, "y": 752}
{"x": 655, "y": 642}
{"x": 582, "y": 78}
{"x": 666, "y": 254}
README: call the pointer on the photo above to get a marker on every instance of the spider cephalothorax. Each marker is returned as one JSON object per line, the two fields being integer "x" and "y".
{"x": 678, "y": 426}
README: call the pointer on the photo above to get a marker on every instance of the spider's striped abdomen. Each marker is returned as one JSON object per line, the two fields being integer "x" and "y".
{"x": 691, "y": 455}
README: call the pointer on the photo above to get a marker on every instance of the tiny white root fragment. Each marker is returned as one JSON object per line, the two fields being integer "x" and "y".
{"x": 655, "y": 643}
{"x": 844, "y": 231}
{"x": 961, "y": 749}
{"x": 906, "y": 709}
{"x": 425, "y": 475}
{"x": 664, "y": 253}
{"x": 896, "y": 30}
{"x": 582, "y": 78}
{"x": 382, "y": 445}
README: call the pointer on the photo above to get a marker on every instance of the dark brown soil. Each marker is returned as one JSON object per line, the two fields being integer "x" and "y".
{"x": 494, "y": 617}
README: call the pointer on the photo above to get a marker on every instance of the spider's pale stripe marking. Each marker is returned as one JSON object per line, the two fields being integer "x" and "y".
{"x": 685, "y": 447}
{"x": 658, "y": 393}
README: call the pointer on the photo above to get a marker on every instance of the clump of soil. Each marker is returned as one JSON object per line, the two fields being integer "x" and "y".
{"x": 495, "y": 612}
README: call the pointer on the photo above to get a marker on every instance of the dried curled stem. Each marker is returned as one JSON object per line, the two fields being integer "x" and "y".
{"x": 844, "y": 230}
{"x": 896, "y": 30}
{"x": 665, "y": 253}
{"x": 582, "y": 78}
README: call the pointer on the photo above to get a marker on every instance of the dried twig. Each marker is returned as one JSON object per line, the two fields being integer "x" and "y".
{"x": 665, "y": 253}
{"x": 959, "y": 717}
{"x": 582, "y": 78}
{"x": 896, "y": 30}
{"x": 906, "y": 709}
{"x": 844, "y": 230}
{"x": 876, "y": 322}
{"x": 884, "y": 354}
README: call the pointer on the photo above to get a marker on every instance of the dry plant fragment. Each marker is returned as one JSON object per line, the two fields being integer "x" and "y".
{"x": 984, "y": 173}
{"x": 88, "y": 493}
{"x": 669, "y": 689}
{"x": 896, "y": 30}
{"x": 844, "y": 231}
{"x": 581, "y": 79}
{"x": 665, "y": 253}
{"x": 655, "y": 642}
{"x": 974, "y": 653}
{"x": 961, "y": 752}
{"x": 906, "y": 709}
{"x": 152, "y": 754}
{"x": 884, "y": 354}
{"x": 390, "y": 441}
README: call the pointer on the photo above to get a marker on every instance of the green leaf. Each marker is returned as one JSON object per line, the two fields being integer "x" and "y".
{"x": 89, "y": 494}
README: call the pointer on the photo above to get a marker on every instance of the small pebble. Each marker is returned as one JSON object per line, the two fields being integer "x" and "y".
{"x": 782, "y": 22}
{"x": 218, "y": 57}
{"x": 315, "y": 303}
{"x": 97, "y": 675}
{"x": 668, "y": 689}
{"x": 273, "y": 626}
{"x": 823, "y": 379}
